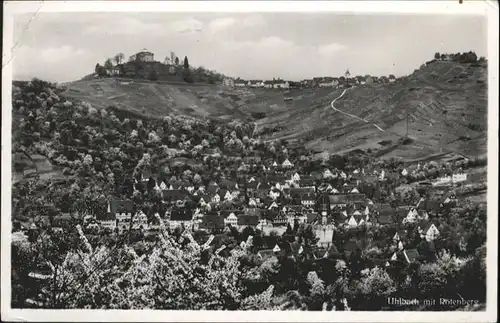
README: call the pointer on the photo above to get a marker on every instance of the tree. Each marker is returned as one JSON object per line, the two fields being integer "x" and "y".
{"x": 188, "y": 77}
{"x": 100, "y": 70}
{"x": 186, "y": 62}
{"x": 376, "y": 283}
{"x": 177, "y": 61}
{"x": 153, "y": 75}
{"x": 437, "y": 55}
{"x": 108, "y": 64}
{"x": 172, "y": 57}
{"x": 119, "y": 58}
{"x": 192, "y": 277}
{"x": 347, "y": 73}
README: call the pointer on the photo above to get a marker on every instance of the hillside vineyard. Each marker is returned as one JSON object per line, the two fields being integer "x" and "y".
{"x": 176, "y": 188}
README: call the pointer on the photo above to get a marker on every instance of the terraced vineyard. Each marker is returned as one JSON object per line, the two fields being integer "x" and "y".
{"x": 446, "y": 104}
{"x": 157, "y": 99}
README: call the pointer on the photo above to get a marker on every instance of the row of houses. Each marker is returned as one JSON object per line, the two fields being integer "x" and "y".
{"x": 350, "y": 209}
{"x": 334, "y": 82}
{"x": 269, "y": 84}
{"x": 286, "y": 199}
{"x": 342, "y": 81}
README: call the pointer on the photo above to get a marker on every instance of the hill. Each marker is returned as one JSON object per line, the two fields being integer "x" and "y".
{"x": 446, "y": 103}
{"x": 157, "y": 99}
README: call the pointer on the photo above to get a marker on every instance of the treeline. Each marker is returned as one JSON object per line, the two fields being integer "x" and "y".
{"x": 469, "y": 57}
{"x": 171, "y": 69}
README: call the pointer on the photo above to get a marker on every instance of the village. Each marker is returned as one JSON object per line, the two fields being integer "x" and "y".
{"x": 172, "y": 65}
{"x": 280, "y": 199}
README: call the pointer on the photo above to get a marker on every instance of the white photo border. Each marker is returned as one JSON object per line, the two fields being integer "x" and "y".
{"x": 489, "y": 9}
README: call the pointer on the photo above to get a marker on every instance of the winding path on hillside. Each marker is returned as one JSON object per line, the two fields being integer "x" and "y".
{"x": 350, "y": 115}
{"x": 446, "y": 150}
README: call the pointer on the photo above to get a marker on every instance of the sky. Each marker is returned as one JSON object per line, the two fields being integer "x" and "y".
{"x": 62, "y": 47}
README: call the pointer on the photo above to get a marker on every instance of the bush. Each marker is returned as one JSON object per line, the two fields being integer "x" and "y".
{"x": 258, "y": 115}
{"x": 188, "y": 77}
{"x": 153, "y": 76}
{"x": 385, "y": 142}
{"x": 406, "y": 141}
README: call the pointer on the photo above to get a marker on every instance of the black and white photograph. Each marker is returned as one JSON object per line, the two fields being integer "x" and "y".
{"x": 273, "y": 160}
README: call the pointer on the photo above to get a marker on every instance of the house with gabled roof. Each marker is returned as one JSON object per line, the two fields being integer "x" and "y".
{"x": 266, "y": 254}
{"x": 154, "y": 223}
{"x": 225, "y": 195}
{"x": 245, "y": 220}
{"x": 280, "y": 220}
{"x": 140, "y": 221}
{"x": 228, "y": 184}
{"x": 411, "y": 255}
{"x": 312, "y": 218}
{"x": 174, "y": 195}
{"x": 231, "y": 219}
{"x": 338, "y": 200}
{"x": 411, "y": 216}
{"x": 307, "y": 183}
{"x": 431, "y": 206}
{"x": 212, "y": 187}
{"x": 429, "y": 231}
{"x": 400, "y": 235}
{"x": 180, "y": 217}
{"x": 449, "y": 199}
{"x": 120, "y": 207}
{"x": 287, "y": 164}
{"x": 163, "y": 186}
{"x": 297, "y": 192}
{"x": 202, "y": 199}
{"x": 252, "y": 211}
{"x": 215, "y": 199}
{"x": 240, "y": 83}
{"x": 295, "y": 177}
{"x": 354, "y": 191}
{"x": 252, "y": 202}
{"x": 352, "y": 222}
{"x": 360, "y": 79}
{"x": 273, "y": 205}
{"x": 308, "y": 199}
{"x": 255, "y": 83}
{"x": 339, "y": 218}
{"x": 212, "y": 222}
{"x": 394, "y": 257}
{"x": 356, "y": 198}
{"x": 325, "y": 187}
{"x": 274, "y": 194}
{"x": 123, "y": 211}
{"x": 106, "y": 220}
{"x": 327, "y": 174}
